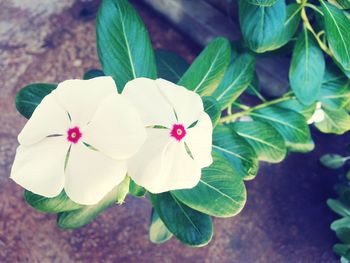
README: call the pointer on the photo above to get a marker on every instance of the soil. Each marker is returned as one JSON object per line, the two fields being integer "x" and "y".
{"x": 285, "y": 219}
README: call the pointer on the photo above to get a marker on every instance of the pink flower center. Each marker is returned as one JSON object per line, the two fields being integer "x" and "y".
{"x": 178, "y": 132}
{"x": 74, "y": 134}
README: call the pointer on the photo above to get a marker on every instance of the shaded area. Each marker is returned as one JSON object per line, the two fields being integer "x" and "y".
{"x": 285, "y": 219}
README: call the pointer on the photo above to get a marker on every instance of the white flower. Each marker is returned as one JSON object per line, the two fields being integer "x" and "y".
{"x": 90, "y": 124}
{"x": 318, "y": 115}
{"x": 179, "y": 137}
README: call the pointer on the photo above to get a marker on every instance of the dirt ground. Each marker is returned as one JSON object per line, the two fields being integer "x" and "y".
{"x": 285, "y": 219}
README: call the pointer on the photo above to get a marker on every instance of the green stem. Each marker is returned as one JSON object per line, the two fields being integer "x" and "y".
{"x": 234, "y": 116}
{"x": 314, "y": 8}
{"x": 257, "y": 93}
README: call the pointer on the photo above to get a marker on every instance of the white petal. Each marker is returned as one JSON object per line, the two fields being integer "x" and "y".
{"x": 163, "y": 164}
{"x": 48, "y": 118}
{"x": 151, "y": 104}
{"x": 90, "y": 175}
{"x": 187, "y": 104}
{"x": 116, "y": 128}
{"x": 199, "y": 140}
{"x": 81, "y": 98}
{"x": 39, "y": 168}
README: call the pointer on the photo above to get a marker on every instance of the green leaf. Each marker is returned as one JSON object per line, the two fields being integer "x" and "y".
{"x": 338, "y": 207}
{"x": 236, "y": 79}
{"x": 261, "y": 25}
{"x": 93, "y": 73}
{"x": 335, "y": 121}
{"x": 55, "y": 204}
{"x": 158, "y": 233}
{"x": 295, "y": 105}
{"x": 220, "y": 192}
{"x": 86, "y": 214}
{"x": 266, "y": 141}
{"x": 170, "y": 65}
{"x": 342, "y": 4}
{"x": 262, "y": 2}
{"x": 333, "y": 161}
{"x": 28, "y": 98}
{"x": 342, "y": 250}
{"x": 342, "y": 229}
{"x": 307, "y": 68}
{"x": 290, "y": 124}
{"x": 136, "y": 190}
{"x": 123, "y": 44}
{"x": 189, "y": 226}
{"x": 337, "y": 26}
{"x": 206, "y": 72}
{"x": 237, "y": 150}
{"x": 212, "y": 108}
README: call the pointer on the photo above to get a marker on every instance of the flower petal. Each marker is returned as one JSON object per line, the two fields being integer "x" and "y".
{"x": 199, "y": 140}
{"x": 39, "y": 168}
{"x": 116, "y": 128}
{"x": 187, "y": 104}
{"x": 90, "y": 175}
{"x": 48, "y": 118}
{"x": 163, "y": 164}
{"x": 151, "y": 104}
{"x": 81, "y": 98}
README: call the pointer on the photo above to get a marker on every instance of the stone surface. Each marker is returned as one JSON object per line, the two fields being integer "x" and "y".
{"x": 285, "y": 219}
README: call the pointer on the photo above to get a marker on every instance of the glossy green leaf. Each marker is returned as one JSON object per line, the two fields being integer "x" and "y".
{"x": 337, "y": 26}
{"x": 191, "y": 227}
{"x": 335, "y": 121}
{"x": 55, "y": 204}
{"x": 93, "y": 73}
{"x": 237, "y": 78}
{"x": 262, "y": 25}
{"x": 333, "y": 161}
{"x": 307, "y": 68}
{"x": 206, "y": 72}
{"x": 158, "y": 233}
{"x": 123, "y": 44}
{"x": 86, "y": 214}
{"x": 28, "y": 98}
{"x": 237, "y": 150}
{"x": 136, "y": 190}
{"x": 212, "y": 108}
{"x": 266, "y": 141}
{"x": 220, "y": 192}
{"x": 170, "y": 65}
{"x": 290, "y": 124}
{"x": 262, "y": 2}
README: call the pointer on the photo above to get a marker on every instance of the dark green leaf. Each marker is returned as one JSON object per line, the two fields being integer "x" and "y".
{"x": 337, "y": 26}
{"x": 333, "y": 161}
{"x": 93, "y": 73}
{"x": 189, "y": 226}
{"x": 206, "y": 72}
{"x": 342, "y": 250}
{"x": 261, "y": 25}
{"x": 28, "y": 98}
{"x": 136, "y": 190}
{"x": 170, "y": 65}
{"x": 307, "y": 68}
{"x": 158, "y": 233}
{"x": 56, "y": 204}
{"x": 220, "y": 192}
{"x": 123, "y": 44}
{"x": 335, "y": 121}
{"x": 290, "y": 124}
{"x": 342, "y": 229}
{"x": 236, "y": 79}
{"x": 237, "y": 150}
{"x": 266, "y": 141}
{"x": 212, "y": 108}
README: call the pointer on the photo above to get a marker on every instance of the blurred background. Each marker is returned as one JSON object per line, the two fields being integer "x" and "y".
{"x": 285, "y": 219}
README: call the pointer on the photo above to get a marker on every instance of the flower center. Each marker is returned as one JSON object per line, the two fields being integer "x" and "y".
{"x": 178, "y": 132}
{"x": 74, "y": 134}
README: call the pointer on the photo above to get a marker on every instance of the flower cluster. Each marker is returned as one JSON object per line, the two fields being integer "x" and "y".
{"x": 84, "y": 138}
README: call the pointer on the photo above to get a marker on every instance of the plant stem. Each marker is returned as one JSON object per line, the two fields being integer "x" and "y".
{"x": 314, "y": 8}
{"x": 234, "y": 116}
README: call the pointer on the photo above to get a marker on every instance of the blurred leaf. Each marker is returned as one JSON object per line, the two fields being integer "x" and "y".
{"x": 212, "y": 108}
{"x": 335, "y": 121}
{"x": 123, "y": 44}
{"x": 170, "y": 65}
{"x": 28, "y": 98}
{"x": 93, "y": 73}
{"x": 189, "y": 226}
{"x": 220, "y": 191}
{"x": 342, "y": 229}
{"x": 333, "y": 161}
{"x": 206, "y": 72}
{"x": 262, "y": 2}
{"x": 158, "y": 233}
{"x": 136, "y": 190}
